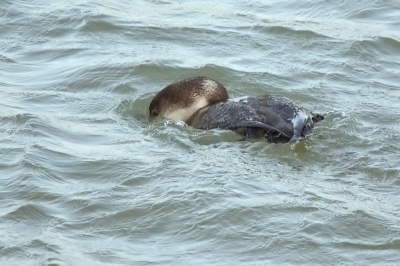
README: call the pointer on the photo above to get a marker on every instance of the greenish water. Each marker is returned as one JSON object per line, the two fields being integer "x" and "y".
{"x": 86, "y": 179}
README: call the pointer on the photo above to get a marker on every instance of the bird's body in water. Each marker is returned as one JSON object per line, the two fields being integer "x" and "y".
{"x": 203, "y": 103}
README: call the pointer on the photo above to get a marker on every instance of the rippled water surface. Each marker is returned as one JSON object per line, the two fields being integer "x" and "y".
{"x": 86, "y": 179}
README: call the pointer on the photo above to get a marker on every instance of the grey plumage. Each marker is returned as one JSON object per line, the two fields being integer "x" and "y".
{"x": 273, "y": 117}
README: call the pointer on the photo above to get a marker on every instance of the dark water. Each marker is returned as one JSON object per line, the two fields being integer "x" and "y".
{"x": 86, "y": 179}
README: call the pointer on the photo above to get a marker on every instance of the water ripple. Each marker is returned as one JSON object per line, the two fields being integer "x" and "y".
{"x": 87, "y": 178}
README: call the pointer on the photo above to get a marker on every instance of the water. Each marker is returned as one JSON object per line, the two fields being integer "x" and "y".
{"x": 86, "y": 179}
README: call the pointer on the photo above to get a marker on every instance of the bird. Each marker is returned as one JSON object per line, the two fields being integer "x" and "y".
{"x": 204, "y": 103}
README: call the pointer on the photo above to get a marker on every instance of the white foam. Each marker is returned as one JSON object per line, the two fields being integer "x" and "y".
{"x": 240, "y": 99}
